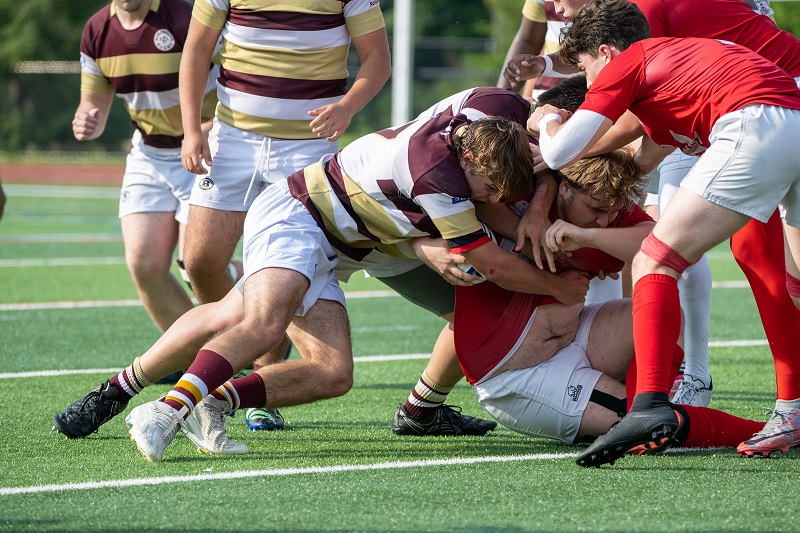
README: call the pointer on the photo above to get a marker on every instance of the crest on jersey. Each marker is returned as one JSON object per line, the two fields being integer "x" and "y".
{"x": 689, "y": 145}
{"x": 164, "y": 40}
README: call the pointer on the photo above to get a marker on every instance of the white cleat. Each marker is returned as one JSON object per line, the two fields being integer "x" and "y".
{"x": 153, "y": 426}
{"x": 693, "y": 391}
{"x": 206, "y": 428}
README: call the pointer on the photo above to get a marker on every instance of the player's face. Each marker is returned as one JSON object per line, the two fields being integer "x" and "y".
{"x": 580, "y": 209}
{"x": 568, "y": 8}
{"x": 483, "y": 190}
{"x": 592, "y": 66}
{"x": 129, "y": 5}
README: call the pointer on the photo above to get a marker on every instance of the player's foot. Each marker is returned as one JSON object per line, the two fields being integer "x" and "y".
{"x": 446, "y": 420}
{"x": 781, "y": 432}
{"x": 677, "y": 382}
{"x": 263, "y": 419}
{"x": 654, "y": 428}
{"x": 87, "y": 414}
{"x": 693, "y": 391}
{"x": 660, "y": 444}
{"x": 153, "y": 426}
{"x": 205, "y": 427}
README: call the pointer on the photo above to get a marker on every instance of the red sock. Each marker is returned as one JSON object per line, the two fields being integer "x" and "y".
{"x": 758, "y": 248}
{"x": 630, "y": 378}
{"x": 244, "y": 392}
{"x": 709, "y": 428}
{"x": 209, "y": 371}
{"x": 656, "y": 327}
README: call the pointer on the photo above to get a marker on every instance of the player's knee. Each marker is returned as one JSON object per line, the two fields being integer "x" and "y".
{"x": 334, "y": 375}
{"x": 661, "y": 254}
{"x": 147, "y": 268}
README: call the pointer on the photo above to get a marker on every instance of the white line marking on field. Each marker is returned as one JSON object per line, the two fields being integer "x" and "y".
{"x": 730, "y": 344}
{"x": 737, "y": 284}
{"x": 241, "y": 474}
{"x": 79, "y": 371}
{"x": 62, "y": 261}
{"x": 56, "y": 191}
{"x": 350, "y": 295}
{"x": 46, "y": 238}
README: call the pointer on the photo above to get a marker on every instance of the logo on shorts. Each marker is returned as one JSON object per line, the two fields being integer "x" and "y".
{"x": 164, "y": 40}
{"x": 125, "y": 196}
{"x": 574, "y": 392}
{"x": 206, "y": 184}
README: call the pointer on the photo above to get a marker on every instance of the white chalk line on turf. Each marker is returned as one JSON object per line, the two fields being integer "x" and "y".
{"x": 141, "y": 482}
{"x": 350, "y": 295}
{"x": 80, "y": 371}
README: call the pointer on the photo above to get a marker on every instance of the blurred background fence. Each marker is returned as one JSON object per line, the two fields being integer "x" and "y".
{"x": 456, "y": 45}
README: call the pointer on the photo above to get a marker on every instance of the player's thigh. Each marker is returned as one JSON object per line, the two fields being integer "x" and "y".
{"x": 598, "y": 418}
{"x": 610, "y": 341}
{"x": 150, "y": 237}
{"x": 792, "y": 250}
{"x": 211, "y": 236}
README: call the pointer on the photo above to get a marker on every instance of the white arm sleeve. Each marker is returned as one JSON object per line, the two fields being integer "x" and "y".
{"x": 570, "y": 140}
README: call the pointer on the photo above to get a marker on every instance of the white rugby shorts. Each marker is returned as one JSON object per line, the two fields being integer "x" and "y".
{"x": 155, "y": 181}
{"x": 245, "y": 163}
{"x": 547, "y": 400}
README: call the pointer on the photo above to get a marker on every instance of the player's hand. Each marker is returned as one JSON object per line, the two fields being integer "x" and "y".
{"x": 533, "y": 226}
{"x": 572, "y": 288}
{"x": 540, "y": 111}
{"x": 195, "y": 151}
{"x": 437, "y": 255}
{"x": 565, "y": 237}
{"x": 603, "y": 275}
{"x": 84, "y": 124}
{"x": 331, "y": 121}
{"x": 538, "y": 160}
{"x": 523, "y": 67}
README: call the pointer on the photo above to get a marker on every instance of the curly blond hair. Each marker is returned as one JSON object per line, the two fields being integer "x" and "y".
{"x": 612, "y": 178}
{"x": 501, "y": 152}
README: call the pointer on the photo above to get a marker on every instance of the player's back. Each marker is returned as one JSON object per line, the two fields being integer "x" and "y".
{"x": 727, "y": 20}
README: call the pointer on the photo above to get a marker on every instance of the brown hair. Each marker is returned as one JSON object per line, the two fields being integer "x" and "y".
{"x": 612, "y": 178}
{"x": 618, "y": 23}
{"x": 502, "y": 154}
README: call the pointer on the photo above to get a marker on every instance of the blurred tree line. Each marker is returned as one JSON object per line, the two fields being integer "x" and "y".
{"x": 457, "y": 45}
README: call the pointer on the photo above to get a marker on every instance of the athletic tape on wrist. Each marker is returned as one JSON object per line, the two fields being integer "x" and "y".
{"x": 548, "y": 67}
{"x": 664, "y": 255}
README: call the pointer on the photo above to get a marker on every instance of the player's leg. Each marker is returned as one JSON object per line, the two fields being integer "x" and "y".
{"x": 694, "y": 285}
{"x": 150, "y": 240}
{"x": 324, "y": 370}
{"x": 424, "y": 412}
{"x": 782, "y": 430}
{"x": 174, "y": 350}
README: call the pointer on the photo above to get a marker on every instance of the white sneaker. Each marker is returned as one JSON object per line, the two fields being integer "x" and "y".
{"x": 153, "y": 426}
{"x": 206, "y": 428}
{"x": 693, "y": 391}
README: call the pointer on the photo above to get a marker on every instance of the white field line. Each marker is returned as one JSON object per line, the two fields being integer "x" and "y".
{"x": 62, "y": 261}
{"x": 350, "y": 295}
{"x": 47, "y": 238}
{"x": 57, "y": 191}
{"x": 241, "y": 474}
{"x": 79, "y": 371}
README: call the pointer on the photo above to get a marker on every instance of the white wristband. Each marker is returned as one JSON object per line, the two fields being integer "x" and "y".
{"x": 547, "y": 118}
{"x": 548, "y": 67}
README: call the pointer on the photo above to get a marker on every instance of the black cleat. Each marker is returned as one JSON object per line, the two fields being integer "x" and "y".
{"x": 87, "y": 414}
{"x": 446, "y": 420}
{"x": 652, "y": 429}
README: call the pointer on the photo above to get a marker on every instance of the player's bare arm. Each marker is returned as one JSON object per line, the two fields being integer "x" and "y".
{"x": 91, "y": 116}
{"x": 528, "y": 66}
{"x": 534, "y": 223}
{"x": 514, "y": 274}
{"x": 331, "y": 121}
{"x": 650, "y": 154}
{"x": 192, "y": 79}
{"x": 529, "y": 40}
{"x": 624, "y": 131}
{"x": 622, "y": 243}
{"x": 435, "y": 253}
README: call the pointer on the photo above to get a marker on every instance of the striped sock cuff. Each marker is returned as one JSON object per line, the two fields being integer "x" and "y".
{"x": 131, "y": 380}
{"x": 187, "y": 393}
{"x": 427, "y": 395}
{"x": 228, "y": 393}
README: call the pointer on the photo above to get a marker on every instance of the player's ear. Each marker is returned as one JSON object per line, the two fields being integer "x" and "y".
{"x": 466, "y": 159}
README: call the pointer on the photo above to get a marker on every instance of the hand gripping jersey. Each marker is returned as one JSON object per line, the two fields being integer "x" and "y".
{"x": 141, "y": 65}
{"x": 679, "y": 88}
{"x": 280, "y": 60}
{"x": 489, "y": 319}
